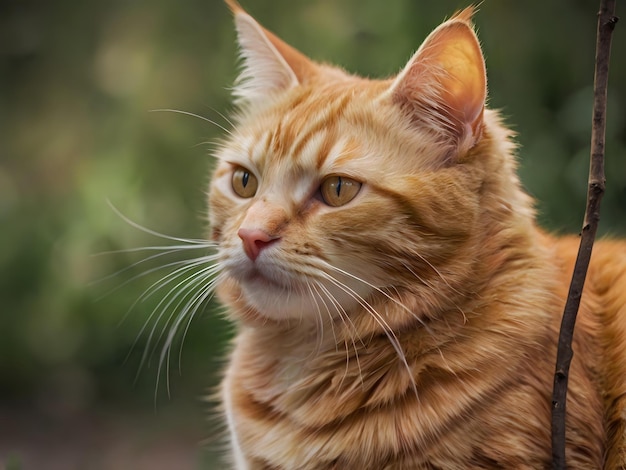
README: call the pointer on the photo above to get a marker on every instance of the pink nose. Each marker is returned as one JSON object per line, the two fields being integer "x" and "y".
{"x": 254, "y": 241}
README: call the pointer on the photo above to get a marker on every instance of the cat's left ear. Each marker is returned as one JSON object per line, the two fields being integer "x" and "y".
{"x": 269, "y": 64}
{"x": 444, "y": 85}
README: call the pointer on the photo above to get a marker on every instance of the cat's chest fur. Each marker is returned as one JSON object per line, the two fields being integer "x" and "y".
{"x": 358, "y": 405}
{"x": 480, "y": 400}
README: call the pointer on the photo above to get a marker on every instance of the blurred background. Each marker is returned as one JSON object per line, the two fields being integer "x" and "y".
{"x": 80, "y": 382}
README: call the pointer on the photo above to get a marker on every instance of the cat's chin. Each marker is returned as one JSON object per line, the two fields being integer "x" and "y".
{"x": 299, "y": 301}
{"x": 276, "y": 302}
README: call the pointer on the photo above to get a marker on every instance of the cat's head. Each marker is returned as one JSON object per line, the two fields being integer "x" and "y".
{"x": 333, "y": 189}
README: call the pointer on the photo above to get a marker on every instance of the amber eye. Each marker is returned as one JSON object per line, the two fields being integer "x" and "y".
{"x": 339, "y": 190}
{"x": 244, "y": 183}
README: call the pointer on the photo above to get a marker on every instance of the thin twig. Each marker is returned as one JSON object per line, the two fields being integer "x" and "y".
{"x": 606, "y": 24}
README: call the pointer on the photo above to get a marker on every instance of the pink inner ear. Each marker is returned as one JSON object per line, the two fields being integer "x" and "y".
{"x": 465, "y": 78}
{"x": 445, "y": 82}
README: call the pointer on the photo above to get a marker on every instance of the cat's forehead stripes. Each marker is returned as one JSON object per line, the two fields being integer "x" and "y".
{"x": 326, "y": 121}
{"x": 308, "y": 121}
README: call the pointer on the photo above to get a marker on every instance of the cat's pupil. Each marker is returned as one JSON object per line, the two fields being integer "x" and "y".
{"x": 245, "y": 177}
{"x": 338, "y": 188}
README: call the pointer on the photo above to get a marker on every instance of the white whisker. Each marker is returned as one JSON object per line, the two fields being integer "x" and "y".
{"x": 434, "y": 269}
{"x": 189, "y": 310}
{"x": 187, "y": 113}
{"x": 343, "y": 315}
{"x": 171, "y": 248}
{"x": 209, "y": 289}
{"x": 187, "y": 284}
{"x": 190, "y": 263}
{"x": 320, "y": 331}
{"x": 393, "y": 339}
{"x": 433, "y": 286}
{"x": 224, "y": 117}
{"x": 381, "y": 291}
{"x": 190, "y": 241}
{"x": 145, "y": 260}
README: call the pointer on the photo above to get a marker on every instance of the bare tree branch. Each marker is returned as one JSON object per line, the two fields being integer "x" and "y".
{"x": 595, "y": 191}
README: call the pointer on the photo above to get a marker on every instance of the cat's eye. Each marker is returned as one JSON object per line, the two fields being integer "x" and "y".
{"x": 339, "y": 190}
{"x": 244, "y": 183}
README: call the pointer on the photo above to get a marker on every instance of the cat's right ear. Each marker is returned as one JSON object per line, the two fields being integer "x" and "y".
{"x": 270, "y": 65}
{"x": 444, "y": 85}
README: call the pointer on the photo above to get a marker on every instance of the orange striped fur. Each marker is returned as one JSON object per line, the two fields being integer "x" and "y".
{"x": 397, "y": 306}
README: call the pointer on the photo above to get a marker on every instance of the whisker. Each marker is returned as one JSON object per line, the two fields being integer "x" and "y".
{"x": 320, "y": 334}
{"x": 432, "y": 285}
{"x": 381, "y": 291}
{"x": 186, "y": 288}
{"x": 210, "y": 287}
{"x": 189, "y": 283}
{"x": 173, "y": 248}
{"x": 163, "y": 253}
{"x": 224, "y": 117}
{"x": 420, "y": 256}
{"x": 187, "y": 113}
{"x": 155, "y": 287}
{"x": 343, "y": 315}
{"x": 393, "y": 339}
{"x": 190, "y": 310}
{"x": 201, "y": 260}
{"x": 133, "y": 224}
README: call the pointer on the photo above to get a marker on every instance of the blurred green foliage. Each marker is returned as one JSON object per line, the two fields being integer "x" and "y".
{"x": 77, "y": 83}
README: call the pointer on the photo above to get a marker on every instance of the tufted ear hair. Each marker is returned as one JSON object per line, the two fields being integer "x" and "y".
{"x": 269, "y": 64}
{"x": 444, "y": 85}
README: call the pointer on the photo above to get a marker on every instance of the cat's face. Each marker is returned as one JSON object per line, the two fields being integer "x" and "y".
{"x": 333, "y": 189}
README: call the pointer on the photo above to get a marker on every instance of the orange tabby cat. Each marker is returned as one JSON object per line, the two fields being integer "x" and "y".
{"x": 397, "y": 306}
